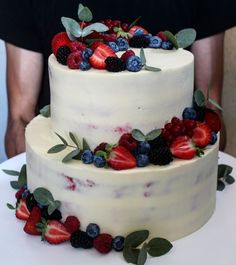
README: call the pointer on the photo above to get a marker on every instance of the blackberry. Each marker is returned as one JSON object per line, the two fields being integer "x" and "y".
{"x": 114, "y": 64}
{"x": 139, "y": 41}
{"x": 62, "y": 54}
{"x": 31, "y": 202}
{"x": 56, "y": 215}
{"x": 158, "y": 142}
{"x": 200, "y": 113}
{"x": 160, "y": 156}
{"x": 80, "y": 239}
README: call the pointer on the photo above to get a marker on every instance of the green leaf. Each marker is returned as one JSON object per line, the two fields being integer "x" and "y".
{"x": 62, "y": 139}
{"x": 80, "y": 8}
{"x": 131, "y": 255}
{"x": 86, "y": 145}
{"x": 56, "y": 148}
{"x": 224, "y": 171}
{"x": 11, "y": 207}
{"x": 78, "y": 157}
{"x": 91, "y": 41}
{"x": 142, "y": 257}
{"x": 71, "y": 155}
{"x": 98, "y": 27}
{"x": 153, "y": 135}
{"x": 11, "y": 172}
{"x": 199, "y": 98}
{"x": 186, "y": 37}
{"x": 15, "y": 185}
{"x": 215, "y": 104}
{"x": 73, "y": 138}
{"x": 72, "y": 27}
{"x": 151, "y": 68}
{"x": 138, "y": 135}
{"x": 53, "y": 206}
{"x": 136, "y": 238}
{"x": 46, "y": 111}
{"x": 85, "y": 14}
{"x": 43, "y": 196}
{"x": 229, "y": 180}
{"x": 142, "y": 57}
{"x": 158, "y": 246}
{"x": 135, "y": 22}
{"x": 22, "y": 180}
{"x": 171, "y": 38}
{"x": 220, "y": 185}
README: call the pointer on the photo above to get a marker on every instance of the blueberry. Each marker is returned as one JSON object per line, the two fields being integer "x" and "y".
{"x": 26, "y": 193}
{"x": 87, "y": 157}
{"x": 142, "y": 160}
{"x": 99, "y": 161}
{"x": 143, "y": 148}
{"x": 213, "y": 138}
{"x": 122, "y": 44}
{"x": 148, "y": 36}
{"x": 87, "y": 53}
{"x": 118, "y": 243}
{"x": 93, "y": 230}
{"x": 114, "y": 46}
{"x": 167, "y": 45}
{"x": 134, "y": 64}
{"x": 84, "y": 66}
{"x": 189, "y": 114}
{"x": 155, "y": 42}
{"x": 139, "y": 32}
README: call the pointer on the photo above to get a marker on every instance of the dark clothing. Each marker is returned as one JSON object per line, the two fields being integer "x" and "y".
{"x": 31, "y": 24}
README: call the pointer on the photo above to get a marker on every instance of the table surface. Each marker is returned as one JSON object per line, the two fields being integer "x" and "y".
{"x": 213, "y": 244}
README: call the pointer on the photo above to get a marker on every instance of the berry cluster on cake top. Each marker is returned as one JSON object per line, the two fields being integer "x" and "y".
{"x": 86, "y": 45}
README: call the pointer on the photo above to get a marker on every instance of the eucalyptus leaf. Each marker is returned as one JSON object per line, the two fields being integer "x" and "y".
{"x": 85, "y": 14}
{"x": 158, "y": 246}
{"x": 73, "y": 138}
{"x": 11, "y": 172}
{"x": 53, "y": 206}
{"x": 153, "y": 135}
{"x": 135, "y": 22}
{"x": 151, "y": 68}
{"x": 71, "y": 155}
{"x": 98, "y": 27}
{"x": 78, "y": 157}
{"x": 86, "y": 145}
{"x": 229, "y": 180}
{"x": 72, "y": 27}
{"x": 43, "y": 196}
{"x": 80, "y": 8}
{"x": 46, "y": 111}
{"x": 136, "y": 238}
{"x": 22, "y": 180}
{"x": 138, "y": 135}
{"x": 199, "y": 98}
{"x": 215, "y": 104}
{"x": 220, "y": 185}
{"x": 186, "y": 37}
{"x": 11, "y": 207}
{"x": 15, "y": 185}
{"x": 142, "y": 57}
{"x": 62, "y": 139}
{"x": 224, "y": 171}
{"x": 142, "y": 257}
{"x": 171, "y": 38}
{"x": 131, "y": 255}
{"x": 57, "y": 148}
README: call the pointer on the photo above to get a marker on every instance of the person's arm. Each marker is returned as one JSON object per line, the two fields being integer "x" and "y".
{"x": 24, "y": 74}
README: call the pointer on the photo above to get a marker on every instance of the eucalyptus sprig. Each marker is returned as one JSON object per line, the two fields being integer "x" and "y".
{"x": 75, "y": 30}
{"x": 144, "y": 62}
{"x": 135, "y": 254}
{"x": 141, "y": 137}
{"x": 224, "y": 177}
{"x": 45, "y": 111}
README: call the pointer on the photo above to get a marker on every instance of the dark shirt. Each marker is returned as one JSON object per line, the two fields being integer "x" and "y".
{"x": 31, "y": 24}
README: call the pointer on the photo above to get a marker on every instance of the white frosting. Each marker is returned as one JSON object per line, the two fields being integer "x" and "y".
{"x": 170, "y": 201}
{"x": 100, "y": 106}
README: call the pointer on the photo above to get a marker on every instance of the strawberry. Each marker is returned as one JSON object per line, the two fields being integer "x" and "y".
{"x": 212, "y": 119}
{"x": 22, "y": 211}
{"x": 53, "y": 231}
{"x": 135, "y": 28}
{"x": 97, "y": 60}
{"x": 95, "y": 45}
{"x": 59, "y": 40}
{"x": 120, "y": 158}
{"x": 33, "y": 220}
{"x": 183, "y": 148}
{"x": 202, "y": 135}
{"x": 162, "y": 36}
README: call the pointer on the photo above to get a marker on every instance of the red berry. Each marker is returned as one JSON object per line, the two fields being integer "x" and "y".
{"x": 77, "y": 46}
{"x": 162, "y": 35}
{"x": 31, "y": 224}
{"x": 74, "y": 60}
{"x": 103, "y": 243}
{"x": 212, "y": 119}
{"x": 128, "y": 141}
{"x": 135, "y": 28}
{"x": 59, "y": 40}
{"x": 202, "y": 135}
{"x": 182, "y": 147}
{"x": 125, "y": 27}
{"x": 127, "y": 54}
{"x": 175, "y": 121}
{"x": 168, "y": 126}
{"x": 18, "y": 194}
{"x": 190, "y": 124}
{"x": 22, "y": 211}
{"x": 167, "y": 136}
{"x": 95, "y": 45}
{"x": 176, "y": 130}
{"x": 109, "y": 37}
{"x": 100, "y": 147}
{"x": 72, "y": 224}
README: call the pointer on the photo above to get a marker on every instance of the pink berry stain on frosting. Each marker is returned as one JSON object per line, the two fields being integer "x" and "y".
{"x": 122, "y": 129}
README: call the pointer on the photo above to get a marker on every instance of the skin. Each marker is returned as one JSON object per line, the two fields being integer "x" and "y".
{"x": 24, "y": 75}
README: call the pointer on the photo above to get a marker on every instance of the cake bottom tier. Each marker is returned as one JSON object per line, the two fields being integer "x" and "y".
{"x": 170, "y": 201}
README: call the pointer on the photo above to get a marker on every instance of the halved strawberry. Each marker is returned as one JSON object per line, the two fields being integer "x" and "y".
{"x": 59, "y": 40}
{"x": 97, "y": 60}
{"x": 120, "y": 158}
{"x": 135, "y": 28}
{"x": 22, "y": 211}
{"x": 33, "y": 220}
{"x": 212, "y": 119}
{"x": 183, "y": 148}
{"x": 54, "y": 232}
{"x": 95, "y": 45}
{"x": 202, "y": 135}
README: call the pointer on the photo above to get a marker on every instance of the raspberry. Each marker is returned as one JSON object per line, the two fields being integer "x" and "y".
{"x": 100, "y": 147}
{"x": 74, "y": 60}
{"x": 80, "y": 239}
{"x": 127, "y": 54}
{"x": 103, "y": 243}
{"x": 62, "y": 54}
{"x": 175, "y": 121}
{"x": 161, "y": 156}
{"x": 72, "y": 224}
{"x": 139, "y": 41}
{"x": 76, "y": 46}
{"x": 114, "y": 64}
{"x": 128, "y": 141}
